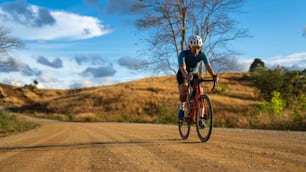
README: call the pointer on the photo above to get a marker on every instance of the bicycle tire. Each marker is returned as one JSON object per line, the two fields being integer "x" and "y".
{"x": 204, "y": 133}
{"x": 184, "y": 128}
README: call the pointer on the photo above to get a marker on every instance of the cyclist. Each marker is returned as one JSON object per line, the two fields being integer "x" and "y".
{"x": 189, "y": 63}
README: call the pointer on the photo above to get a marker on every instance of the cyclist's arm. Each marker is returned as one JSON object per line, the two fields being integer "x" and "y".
{"x": 182, "y": 64}
{"x": 210, "y": 69}
{"x": 208, "y": 66}
{"x": 212, "y": 73}
{"x": 184, "y": 70}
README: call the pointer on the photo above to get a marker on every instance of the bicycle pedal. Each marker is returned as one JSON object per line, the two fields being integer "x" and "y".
{"x": 202, "y": 125}
{"x": 205, "y": 117}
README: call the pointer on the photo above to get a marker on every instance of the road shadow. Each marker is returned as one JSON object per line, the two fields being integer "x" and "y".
{"x": 94, "y": 144}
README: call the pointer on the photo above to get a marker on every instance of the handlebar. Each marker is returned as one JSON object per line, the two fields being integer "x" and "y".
{"x": 199, "y": 80}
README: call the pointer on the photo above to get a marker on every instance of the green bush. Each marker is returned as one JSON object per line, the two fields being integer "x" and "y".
{"x": 303, "y": 103}
{"x": 291, "y": 84}
{"x": 12, "y": 123}
{"x": 275, "y": 106}
{"x": 299, "y": 109}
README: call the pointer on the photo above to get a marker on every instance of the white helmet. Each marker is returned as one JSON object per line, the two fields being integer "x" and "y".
{"x": 195, "y": 40}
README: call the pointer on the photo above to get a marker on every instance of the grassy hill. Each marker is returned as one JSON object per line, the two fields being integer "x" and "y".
{"x": 152, "y": 100}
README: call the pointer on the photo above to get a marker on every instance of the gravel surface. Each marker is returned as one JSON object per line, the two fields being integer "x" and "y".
{"x": 63, "y": 146}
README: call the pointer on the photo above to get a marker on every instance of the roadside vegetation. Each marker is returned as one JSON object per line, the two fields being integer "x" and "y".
{"x": 12, "y": 124}
{"x": 282, "y": 97}
{"x": 261, "y": 98}
{"x": 237, "y": 101}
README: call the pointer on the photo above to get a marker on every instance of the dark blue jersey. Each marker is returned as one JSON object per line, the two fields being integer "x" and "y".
{"x": 192, "y": 62}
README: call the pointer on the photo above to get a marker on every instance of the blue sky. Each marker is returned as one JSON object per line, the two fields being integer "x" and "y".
{"x": 82, "y": 43}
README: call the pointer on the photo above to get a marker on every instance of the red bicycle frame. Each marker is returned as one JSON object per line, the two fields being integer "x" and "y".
{"x": 195, "y": 101}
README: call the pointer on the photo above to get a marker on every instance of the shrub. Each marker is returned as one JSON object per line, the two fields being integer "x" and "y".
{"x": 13, "y": 123}
{"x": 299, "y": 108}
{"x": 275, "y": 106}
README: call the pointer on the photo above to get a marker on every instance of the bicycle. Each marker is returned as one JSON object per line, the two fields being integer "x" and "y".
{"x": 194, "y": 99}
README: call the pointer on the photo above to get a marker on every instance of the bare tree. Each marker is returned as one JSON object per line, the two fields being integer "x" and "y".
{"x": 170, "y": 21}
{"x": 7, "y": 42}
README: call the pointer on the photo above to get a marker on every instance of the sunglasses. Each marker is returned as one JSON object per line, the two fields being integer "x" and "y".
{"x": 196, "y": 47}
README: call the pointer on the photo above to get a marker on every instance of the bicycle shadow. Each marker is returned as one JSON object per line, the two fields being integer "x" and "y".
{"x": 85, "y": 145}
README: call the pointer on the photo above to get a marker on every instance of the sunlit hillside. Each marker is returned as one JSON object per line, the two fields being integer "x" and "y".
{"x": 152, "y": 100}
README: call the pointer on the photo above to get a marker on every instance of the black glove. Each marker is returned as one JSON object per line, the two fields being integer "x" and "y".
{"x": 215, "y": 77}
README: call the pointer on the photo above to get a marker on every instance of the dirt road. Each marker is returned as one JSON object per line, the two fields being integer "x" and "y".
{"x": 60, "y": 146}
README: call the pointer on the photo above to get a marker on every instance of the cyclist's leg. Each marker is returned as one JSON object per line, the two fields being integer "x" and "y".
{"x": 202, "y": 105}
{"x": 202, "y": 111}
{"x": 182, "y": 95}
{"x": 183, "y": 92}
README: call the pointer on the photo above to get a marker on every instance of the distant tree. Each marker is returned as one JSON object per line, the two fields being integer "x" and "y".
{"x": 31, "y": 86}
{"x": 7, "y": 42}
{"x": 290, "y": 84}
{"x": 295, "y": 84}
{"x": 35, "y": 82}
{"x": 171, "y": 21}
{"x": 267, "y": 81}
{"x": 256, "y": 64}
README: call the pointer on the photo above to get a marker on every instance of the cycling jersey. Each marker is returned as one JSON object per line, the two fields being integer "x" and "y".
{"x": 192, "y": 62}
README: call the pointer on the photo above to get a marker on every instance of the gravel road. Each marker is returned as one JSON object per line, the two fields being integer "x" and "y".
{"x": 63, "y": 146}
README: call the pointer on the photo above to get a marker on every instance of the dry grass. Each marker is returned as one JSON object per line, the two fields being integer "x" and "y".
{"x": 152, "y": 100}
{"x": 12, "y": 124}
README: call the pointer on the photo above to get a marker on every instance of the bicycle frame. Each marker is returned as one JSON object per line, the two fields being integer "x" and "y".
{"x": 195, "y": 100}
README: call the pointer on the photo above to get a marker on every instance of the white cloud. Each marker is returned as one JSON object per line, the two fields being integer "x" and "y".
{"x": 66, "y": 26}
{"x": 81, "y": 84}
{"x": 295, "y": 61}
{"x": 13, "y": 82}
{"x": 91, "y": 82}
{"x": 289, "y": 60}
{"x": 245, "y": 64}
{"x": 131, "y": 62}
{"x": 46, "y": 79}
{"x": 106, "y": 81}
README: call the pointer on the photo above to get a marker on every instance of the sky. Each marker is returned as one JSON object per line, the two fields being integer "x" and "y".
{"x": 83, "y": 43}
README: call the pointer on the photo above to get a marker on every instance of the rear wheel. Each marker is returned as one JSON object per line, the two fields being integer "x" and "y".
{"x": 204, "y": 132}
{"x": 184, "y": 128}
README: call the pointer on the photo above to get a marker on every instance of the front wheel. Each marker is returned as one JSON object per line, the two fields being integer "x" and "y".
{"x": 204, "y": 124}
{"x": 184, "y": 128}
